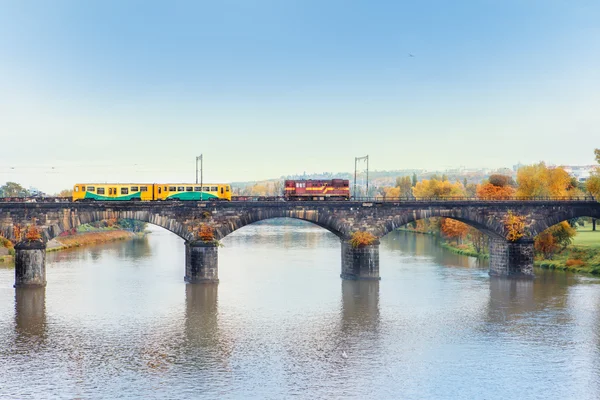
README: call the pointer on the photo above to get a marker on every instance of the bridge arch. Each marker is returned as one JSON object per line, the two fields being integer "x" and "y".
{"x": 84, "y": 217}
{"x": 325, "y": 220}
{"x": 538, "y": 226}
{"x": 489, "y": 225}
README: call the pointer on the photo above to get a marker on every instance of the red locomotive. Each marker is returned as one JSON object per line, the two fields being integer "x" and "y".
{"x": 319, "y": 189}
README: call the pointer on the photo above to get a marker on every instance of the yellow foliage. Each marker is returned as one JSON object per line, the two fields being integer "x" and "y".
{"x": 515, "y": 226}
{"x": 33, "y": 233}
{"x": 361, "y": 239}
{"x": 436, "y": 189}
{"x": 391, "y": 192}
{"x": 593, "y": 185}
{"x": 540, "y": 181}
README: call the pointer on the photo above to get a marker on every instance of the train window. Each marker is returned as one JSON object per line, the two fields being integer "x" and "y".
{"x": 83, "y": 188}
{"x": 91, "y": 189}
{"x": 124, "y": 191}
{"x": 172, "y": 188}
{"x": 144, "y": 188}
{"x": 197, "y": 189}
{"x": 159, "y": 189}
{"x": 180, "y": 188}
{"x": 165, "y": 189}
{"x": 134, "y": 188}
{"x": 110, "y": 191}
{"x": 189, "y": 189}
{"x": 77, "y": 188}
{"x": 214, "y": 189}
{"x": 205, "y": 189}
{"x": 100, "y": 191}
{"x": 227, "y": 188}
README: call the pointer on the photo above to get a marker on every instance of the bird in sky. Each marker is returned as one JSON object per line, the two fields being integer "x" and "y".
{"x": 410, "y": 55}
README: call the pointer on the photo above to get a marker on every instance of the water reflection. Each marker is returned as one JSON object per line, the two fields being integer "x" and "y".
{"x": 30, "y": 312}
{"x": 420, "y": 245}
{"x": 360, "y": 305}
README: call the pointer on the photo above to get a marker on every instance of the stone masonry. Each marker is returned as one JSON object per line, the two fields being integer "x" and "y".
{"x": 339, "y": 217}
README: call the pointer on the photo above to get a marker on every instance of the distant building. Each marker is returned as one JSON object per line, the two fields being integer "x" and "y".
{"x": 580, "y": 172}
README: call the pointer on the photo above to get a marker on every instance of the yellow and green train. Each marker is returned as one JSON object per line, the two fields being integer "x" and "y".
{"x": 150, "y": 191}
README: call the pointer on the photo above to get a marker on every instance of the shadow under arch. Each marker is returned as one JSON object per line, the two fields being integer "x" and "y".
{"x": 324, "y": 220}
{"x": 86, "y": 217}
{"x": 491, "y": 228}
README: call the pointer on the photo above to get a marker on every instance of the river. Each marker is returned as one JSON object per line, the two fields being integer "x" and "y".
{"x": 118, "y": 321}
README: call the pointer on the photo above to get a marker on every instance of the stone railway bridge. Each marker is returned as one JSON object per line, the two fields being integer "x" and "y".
{"x": 341, "y": 218}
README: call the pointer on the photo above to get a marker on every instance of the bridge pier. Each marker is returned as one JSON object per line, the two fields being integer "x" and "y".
{"x": 361, "y": 263}
{"x": 201, "y": 262}
{"x": 30, "y": 264}
{"x": 511, "y": 259}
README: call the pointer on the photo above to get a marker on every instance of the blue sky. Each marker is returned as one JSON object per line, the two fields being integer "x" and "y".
{"x": 134, "y": 90}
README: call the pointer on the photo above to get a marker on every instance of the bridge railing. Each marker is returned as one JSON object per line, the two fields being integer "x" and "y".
{"x": 360, "y": 199}
{"x": 472, "y": 199}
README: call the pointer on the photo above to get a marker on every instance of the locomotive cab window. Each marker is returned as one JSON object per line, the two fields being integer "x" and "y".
{"x": 77, "y": 188}
{"x": 205, "y": 189}
{"x": 124, "y": 191}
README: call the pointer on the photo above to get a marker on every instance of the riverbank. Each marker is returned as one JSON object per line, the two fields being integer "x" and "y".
{"x": 79, "y": 240}
{"x": 581, "y": 256}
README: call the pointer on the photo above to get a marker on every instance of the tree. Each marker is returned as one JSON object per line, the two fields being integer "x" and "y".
{"x": 490, "y": 191}
{"x": 13, "y": 189}
{"x": 597, "y": 154}
{"x": 556, "y": 237}
{"x": 405, "y": 185}
{"x": 433, "y": 188}
{"x": 515, "y": 226}
{"x": 65, "y": 193}
{"x": 479, "y": 239}
{"x": 414, "y": 179}
{"x": 540, "y": 181}
{"x": 454, "y": 229}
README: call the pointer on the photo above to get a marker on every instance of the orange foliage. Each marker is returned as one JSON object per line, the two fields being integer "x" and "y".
{"x": 454, "y": 229}
{"x": 492, "y": 192}
{"x": 361, "y": 239}
{"x": 574, "y": 263}
{"x": 206, "y": 233}
{"x": 33, "y": 233}
{"x": 545, "y": 243}
{"x": 515, "y": 226}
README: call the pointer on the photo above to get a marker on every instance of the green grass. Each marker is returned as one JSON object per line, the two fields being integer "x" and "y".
{"x": 587, "y": 238}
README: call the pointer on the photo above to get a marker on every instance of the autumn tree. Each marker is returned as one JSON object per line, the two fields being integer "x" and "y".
{"x": 593, "y": 183}
{"x": 438, "y": 189}
{"x": 414, "y": 180}
{"x": 555, "y": 238}
{"x": 540, "y": 181}
{"x": 497, "y": 187}
{"x": 454, "y": 229}
{"x": 515, "y": 226}
{"x": 597, "y": 154}
{"x": 65, "y": 193}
